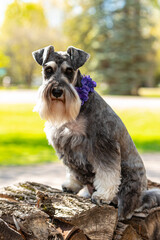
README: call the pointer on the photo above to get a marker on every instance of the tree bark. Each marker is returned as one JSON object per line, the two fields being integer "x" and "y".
{"x": 33, "y": 211}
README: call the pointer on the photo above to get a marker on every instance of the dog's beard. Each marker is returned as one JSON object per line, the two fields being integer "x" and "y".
{"x": 61, "y": 110}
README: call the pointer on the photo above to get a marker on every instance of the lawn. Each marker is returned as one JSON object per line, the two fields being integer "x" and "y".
{"x": 144, "y": 128}
{"x": 22, "y": 140}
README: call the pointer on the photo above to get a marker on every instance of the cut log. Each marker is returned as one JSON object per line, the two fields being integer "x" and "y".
{"x": 98, "y": 222}
{"x": 147, "y": 224}
{"x": 8, "y": 233}
{"x": 34, "y": 211}
{"x": 126, "y": 232}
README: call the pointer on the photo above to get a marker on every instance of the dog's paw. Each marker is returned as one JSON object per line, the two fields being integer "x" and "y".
{"x": 74, "y": 189}
{"x": 99, "y": 199}
{"x": 68, "y": 190}
{"x": 127, "y": 217}
{"x": 122, "y": 215}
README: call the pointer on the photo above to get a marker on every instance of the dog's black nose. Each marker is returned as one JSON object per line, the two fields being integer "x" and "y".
{"x": 57, "y": 92}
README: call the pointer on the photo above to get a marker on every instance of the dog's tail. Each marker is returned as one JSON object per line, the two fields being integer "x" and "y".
{"x": 149, "y": 199}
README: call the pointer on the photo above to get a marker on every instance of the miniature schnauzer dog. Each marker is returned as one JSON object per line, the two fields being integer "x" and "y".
{"x": 88, "y": 135}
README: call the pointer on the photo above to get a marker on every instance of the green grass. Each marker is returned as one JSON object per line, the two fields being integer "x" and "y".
{"x": 144, "y": 128}
{"x": 23, "y": 141}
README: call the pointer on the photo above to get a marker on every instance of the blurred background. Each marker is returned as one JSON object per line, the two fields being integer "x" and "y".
{"x": 123, "y": 39}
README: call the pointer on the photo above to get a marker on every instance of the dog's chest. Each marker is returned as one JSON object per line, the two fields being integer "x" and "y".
{"x": 59, "y": 136}
{"x": 71, "y": 144}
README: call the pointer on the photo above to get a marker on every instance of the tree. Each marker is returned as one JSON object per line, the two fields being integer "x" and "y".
{"x": 4, "y": 60}
{"x": 24, "y": 30}
{"x": 113, "y": 31}
{"x": 154, "y": 31}
{"x": 85, "y": 27}
{"x": 128, "y": 51}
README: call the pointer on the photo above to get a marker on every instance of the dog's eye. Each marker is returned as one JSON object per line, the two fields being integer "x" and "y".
{"x": 49, "y": 70}
{"x": 69, "y": 71}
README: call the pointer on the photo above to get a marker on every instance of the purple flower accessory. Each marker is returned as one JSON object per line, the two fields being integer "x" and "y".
{"x": 87, "y": 86}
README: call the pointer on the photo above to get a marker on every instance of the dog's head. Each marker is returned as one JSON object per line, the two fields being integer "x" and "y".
{"x": 58, "y": 100}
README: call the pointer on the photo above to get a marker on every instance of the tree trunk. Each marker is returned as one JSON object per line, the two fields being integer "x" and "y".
{"x": 34, "y": 211}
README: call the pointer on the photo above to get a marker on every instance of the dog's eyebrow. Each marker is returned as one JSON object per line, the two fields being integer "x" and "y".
{"x": 65, "y": 65}
{"x": 51, "y": 64}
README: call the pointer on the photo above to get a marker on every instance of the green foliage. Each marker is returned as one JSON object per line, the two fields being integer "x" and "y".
{"x": 113, "y": 32}
{"x": 23, "y": 141}
{"x": 25, "y": 29}
{"x": 85, "y": 27}
{"x": 155, "y": 3}
{"x": 23, "y": 15}
{"x": 128, "y": 51}
{"x": 18, "y": 38}
{"x": 33, "y": 15}
{"x": 5, "y": 61}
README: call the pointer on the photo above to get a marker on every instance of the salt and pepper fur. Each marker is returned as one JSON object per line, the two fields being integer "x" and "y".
{"x": 91, "y": 139}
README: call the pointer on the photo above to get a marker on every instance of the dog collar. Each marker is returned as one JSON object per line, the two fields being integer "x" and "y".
{"x": 87, "y": 86}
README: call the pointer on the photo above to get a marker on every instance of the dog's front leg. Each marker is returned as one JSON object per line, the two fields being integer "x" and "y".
{"x": 72, "y": 185}
{"x": 106, "y": 184}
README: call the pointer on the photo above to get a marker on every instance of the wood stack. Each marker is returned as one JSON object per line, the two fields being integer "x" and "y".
{"x": 34, "y": 211}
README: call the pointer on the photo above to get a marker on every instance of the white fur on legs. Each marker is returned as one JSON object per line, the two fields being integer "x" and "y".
{"x": 84, "y": 193}
{"x": 72, "y": 184}
{"x": 106, "y": 184}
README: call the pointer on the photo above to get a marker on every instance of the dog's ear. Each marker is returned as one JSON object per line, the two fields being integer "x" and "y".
{"x": 78, "y": 57}
{"x": 41, "y": 55}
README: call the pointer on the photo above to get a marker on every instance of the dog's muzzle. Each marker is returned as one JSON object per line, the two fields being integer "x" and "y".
{"x": 57, "y": 92}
